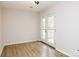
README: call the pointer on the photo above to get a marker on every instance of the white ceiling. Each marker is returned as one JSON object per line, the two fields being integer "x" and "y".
{"x": 26, "y": 5}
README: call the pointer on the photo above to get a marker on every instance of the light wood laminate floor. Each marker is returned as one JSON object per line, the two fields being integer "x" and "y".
{"x": 32, "y": 49}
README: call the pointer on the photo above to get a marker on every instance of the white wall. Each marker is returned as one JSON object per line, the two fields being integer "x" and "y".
{"x": 67, "y": 26}
{"x": 1, "y": 41}
{"x": 20, "y": 26}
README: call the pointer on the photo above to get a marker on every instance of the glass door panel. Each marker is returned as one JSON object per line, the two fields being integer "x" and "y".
{"x": 47, "y": 29}
{"x": 50, "y": 36}
{"x": 43, "y": 34}
{"x": 50, "y": 22}
{"x": 50, "y": 29}
{"x": 43, "y": 24}
{"x": 43, "y": 28}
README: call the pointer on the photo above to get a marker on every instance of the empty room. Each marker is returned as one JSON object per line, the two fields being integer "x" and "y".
{"x": 39, "y": 28}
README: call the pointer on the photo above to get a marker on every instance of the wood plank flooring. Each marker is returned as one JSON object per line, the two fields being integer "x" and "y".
{"x": 32, "y": 49}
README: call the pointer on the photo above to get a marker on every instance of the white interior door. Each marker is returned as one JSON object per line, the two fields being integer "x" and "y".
{"x": 48, "y": 29}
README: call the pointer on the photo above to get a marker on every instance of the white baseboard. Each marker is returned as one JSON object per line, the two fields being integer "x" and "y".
{"x": 63, "y": 52}
{"x": 56, "y": 48}
{"x": 48, "y": 43}
{"x": 21, "y": 42}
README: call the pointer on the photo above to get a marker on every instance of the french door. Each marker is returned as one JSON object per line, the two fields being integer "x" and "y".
{"x": 48, "y": 29}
